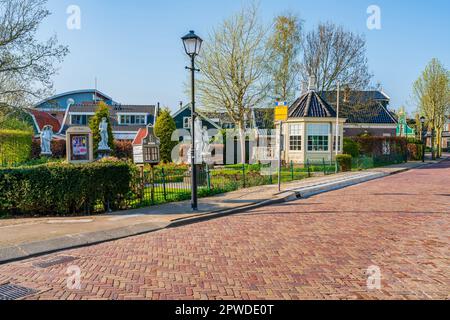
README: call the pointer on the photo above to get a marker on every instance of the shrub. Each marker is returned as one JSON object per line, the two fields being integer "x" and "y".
{"x": 373, "y": 146}
{"x": 94, "y": 123}
{"x": 123, "y": 149}
{"x": 15, "y": 146}
{"x": 415, "y": 151}
{"x": 59, "y": 188}
{"x": 58, "y": 149}
{"x": 345, "y": 162}
{"x": 164, "y": 127}
{"x": 351, "y": 147}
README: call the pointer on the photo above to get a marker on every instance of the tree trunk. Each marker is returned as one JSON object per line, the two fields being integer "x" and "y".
{"x": 242, "y": 141}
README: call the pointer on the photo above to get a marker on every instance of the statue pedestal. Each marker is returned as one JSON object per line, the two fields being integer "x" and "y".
{"x": 103, "y": 153}
{"x": 46, "y": 154}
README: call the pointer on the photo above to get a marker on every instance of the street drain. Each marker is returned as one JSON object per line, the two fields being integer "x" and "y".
{"x": 54, "y": 262}
{"x": 13, "y": 292}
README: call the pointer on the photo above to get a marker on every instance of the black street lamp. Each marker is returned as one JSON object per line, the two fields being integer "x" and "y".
{"x": 424, "y": 141}
{"x": 192, "y": 45}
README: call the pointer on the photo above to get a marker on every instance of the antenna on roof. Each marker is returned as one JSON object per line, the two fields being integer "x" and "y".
{"x": 95, "y": 90}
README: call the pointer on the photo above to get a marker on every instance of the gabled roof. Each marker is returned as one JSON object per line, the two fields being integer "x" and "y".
{"x": 311, "y": 105}
{"x": 142, "y": 133}
{"x": 90, "y": 91}
{"x": 370, "y": 113}
{"x": 43, "y": 119}
{"x": 357, "y": 96}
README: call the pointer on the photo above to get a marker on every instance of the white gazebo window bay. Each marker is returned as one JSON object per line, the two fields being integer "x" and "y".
{"x": 318, "y": 137}
{"x": 295, "y": 137}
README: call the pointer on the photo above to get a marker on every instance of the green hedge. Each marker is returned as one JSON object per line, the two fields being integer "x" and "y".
{"x": 15, "y": 147}
{"x": 60, "y": 189}
{"x": 345, "y": 162}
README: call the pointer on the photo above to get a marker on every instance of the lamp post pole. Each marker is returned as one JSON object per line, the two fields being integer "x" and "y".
{"x": 424, "y": 137}
{"x": 194, "y": 201}
{"x": 192, "y": 45}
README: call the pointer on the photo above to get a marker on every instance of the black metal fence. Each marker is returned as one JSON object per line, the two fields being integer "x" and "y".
{"x": 158, "y": 185}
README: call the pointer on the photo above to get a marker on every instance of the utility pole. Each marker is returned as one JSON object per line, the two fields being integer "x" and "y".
{"x": 337, "y": 144}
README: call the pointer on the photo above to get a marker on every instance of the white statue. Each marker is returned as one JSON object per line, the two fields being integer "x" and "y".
{"x": 201, "y": 142}
{"x": 205, "y": 143}
{"x": 103, "y": 128}
{"x": 46, "y": 140}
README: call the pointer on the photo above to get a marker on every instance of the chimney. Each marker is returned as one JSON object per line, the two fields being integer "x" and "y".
{"x": 304, "y": 88}
{"x": 312, "y": 83}
{"x": 181, "y": 104}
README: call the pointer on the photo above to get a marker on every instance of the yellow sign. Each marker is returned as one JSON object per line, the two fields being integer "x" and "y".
{"x": 281, "y": 113}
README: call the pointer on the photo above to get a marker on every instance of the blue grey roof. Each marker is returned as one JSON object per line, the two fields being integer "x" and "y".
{"x": 371, "y": 113}
{"x": 311, "y": 105}
{"x": 355, "y": 96}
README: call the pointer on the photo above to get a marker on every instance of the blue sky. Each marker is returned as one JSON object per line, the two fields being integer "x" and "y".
{"x": 134, "y": 49}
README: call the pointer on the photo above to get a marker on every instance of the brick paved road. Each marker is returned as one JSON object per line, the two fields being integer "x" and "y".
{"x": 318, "y": 248}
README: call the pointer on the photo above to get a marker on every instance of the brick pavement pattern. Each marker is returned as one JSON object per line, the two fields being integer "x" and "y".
{"x": 318, "y": 248}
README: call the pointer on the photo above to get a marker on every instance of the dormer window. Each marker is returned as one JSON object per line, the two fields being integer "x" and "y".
{"x": 186, "y": 122}
{"x": 133, "y": 119}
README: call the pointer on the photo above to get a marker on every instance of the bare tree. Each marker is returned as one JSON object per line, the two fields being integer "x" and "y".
{"x": 432, "y": 93}
{"x": 332, "y": 54}
{"x": 233, "y": 68}
{"x": 26, "y": 64}
{"x": 284, "y": 67}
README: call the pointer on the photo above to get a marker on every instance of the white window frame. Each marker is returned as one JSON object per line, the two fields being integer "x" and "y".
{"x": 339, "y": 143}
{"x": 124, "y": 119}
{"x": 295, "y": 137}
{"x": 316, "y": 131}
{"x": 187, "y": 123}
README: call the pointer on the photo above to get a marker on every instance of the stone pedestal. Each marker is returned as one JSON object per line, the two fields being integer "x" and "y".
{"x": 103, "y": 153}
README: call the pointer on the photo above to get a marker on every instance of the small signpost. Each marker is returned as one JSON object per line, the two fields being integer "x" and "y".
{"x": 281, "y": 114}
{"x": 146, "y": 147}
{"x": 146, "y": 150}
{"x": 79, "y": 144}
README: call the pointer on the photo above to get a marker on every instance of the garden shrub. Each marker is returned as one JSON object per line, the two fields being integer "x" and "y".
{"x": 345, "y": 162}
{"x": 61, "y": 189}
{"x": 15, "y": 146}
{"x": 58, "y": 149}
{"x": 351, "y": 147}
{"x": 164, "y": 128}
{"x": 123, "y": 149}
{"x": 415, "y": 151}
{"x": 373, "y": 146}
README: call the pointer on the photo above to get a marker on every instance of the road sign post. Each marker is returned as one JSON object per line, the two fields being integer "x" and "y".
{"x": 281, "y": 114}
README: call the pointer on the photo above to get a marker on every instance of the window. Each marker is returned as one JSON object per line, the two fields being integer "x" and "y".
{"x": 79, "y": 119}
{"x": 338, "y": 144}
{"x": 126, "y": 119}
{"x": 295, "y": 137}
{"x": 318, "y": 137}
{"x": 186, "y": 122}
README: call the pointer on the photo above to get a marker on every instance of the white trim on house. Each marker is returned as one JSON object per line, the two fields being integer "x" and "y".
{"x": 369, "y": 126}
{"x": 180, "y": 111}
{"x": 82, "y": 113}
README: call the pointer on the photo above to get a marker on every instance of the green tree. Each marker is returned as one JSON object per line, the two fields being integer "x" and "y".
{"x": 234, "y": 68}
{"x": 284, "y": 67}
{"x": 164, "y": 127}
{"x": 432, "y": 93}
{"x": 94, "y": 123}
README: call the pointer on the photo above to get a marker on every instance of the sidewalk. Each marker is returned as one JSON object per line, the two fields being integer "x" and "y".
{"x": 22, "y": 238}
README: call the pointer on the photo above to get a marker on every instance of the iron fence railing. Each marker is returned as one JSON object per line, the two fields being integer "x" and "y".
{"x": 159, "y": 185}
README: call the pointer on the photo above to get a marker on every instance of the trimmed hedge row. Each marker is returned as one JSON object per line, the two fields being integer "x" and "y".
{"x": 345, "y": 162}
{"x": 373, "y": 146}
{"x": 15, "y": 146}
{"x": 62, "y": 189}
{"x": 58, "y": 149}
